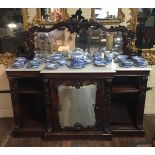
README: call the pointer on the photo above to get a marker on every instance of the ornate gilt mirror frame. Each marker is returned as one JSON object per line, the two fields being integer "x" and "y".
{"x": 131, "y": 23}
{"x": 120, "y": 17}
{"x": 25, "y": 15}
{"x": 39, "y": 20}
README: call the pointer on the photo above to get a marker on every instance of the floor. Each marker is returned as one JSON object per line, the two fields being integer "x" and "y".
{"x": 7, "y": 140}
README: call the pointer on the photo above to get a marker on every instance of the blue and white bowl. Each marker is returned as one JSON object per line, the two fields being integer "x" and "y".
{"x": 120, "y": 58}
{"x": 51, "y": 66}
{"x": 126, "y": 64}
{"x": 100, "y": 63}
{"x": 21, "y": 59}
{"x": 32, "y": 64}
{"x": 17, "y": 65}
{"x": 62, "y": 62}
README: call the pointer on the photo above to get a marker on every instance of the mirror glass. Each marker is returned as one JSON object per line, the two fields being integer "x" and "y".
{"x": 145, "y": 30}
{"x": 108, "y": 15}
{"x": 51, "y": 15}
{"x": 11, "y": 27}
{"x": 90, "y": 41}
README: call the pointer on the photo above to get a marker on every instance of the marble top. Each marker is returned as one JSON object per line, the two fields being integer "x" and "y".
{"x": 88, "y": 69}
{"x": 118, "y": 68}
{"x": 26, "y": 69}
{"x": 110, "y": 68}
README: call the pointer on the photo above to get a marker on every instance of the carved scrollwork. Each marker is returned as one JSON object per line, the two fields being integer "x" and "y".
{"x": 149, "y": 55}
{"x": 25, "y": 18}
{"x": 140, "y": 125}
{"x": 77, "y": 84}
{"x": 133, "y": 20}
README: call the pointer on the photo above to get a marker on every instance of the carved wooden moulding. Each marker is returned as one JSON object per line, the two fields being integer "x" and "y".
{"x": 149, "y": 55}
{"x": 7, "y": 58}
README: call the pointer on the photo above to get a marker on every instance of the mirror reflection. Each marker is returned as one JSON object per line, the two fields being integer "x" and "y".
{"x": 106, "y": 13}
{"x": 145, "y": 31}
{"x": 11, "y": 28}
{"x": 87, "y": 40}
{"x": 52, "y": 14}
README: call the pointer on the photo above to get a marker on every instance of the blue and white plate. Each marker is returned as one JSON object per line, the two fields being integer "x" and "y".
{"x": 20, "y": 59}
{"x": 17, "y": 65}
{"x": 145, "y": 64}
{"x": 51, "y": 66}
{"x": 62, "y": 62}
{"x": 100, "y": 63}
{"x": 76, "y": 67}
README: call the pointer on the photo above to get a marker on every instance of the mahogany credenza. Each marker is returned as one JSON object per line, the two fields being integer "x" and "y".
{"x": 119, "y": 108}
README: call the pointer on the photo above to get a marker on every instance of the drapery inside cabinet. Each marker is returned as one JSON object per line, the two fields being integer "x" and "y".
{"x": 77, "y": 105}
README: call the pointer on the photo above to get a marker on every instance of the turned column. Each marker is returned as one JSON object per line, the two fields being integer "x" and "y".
{"x": 54, "y": 104}
{"x": 103, "y": 104}
{"x": 141, "y": 102}
{"x": 107, "y": 105}
{"x": 16, "y": 103}
{"x": 47, "y": 102}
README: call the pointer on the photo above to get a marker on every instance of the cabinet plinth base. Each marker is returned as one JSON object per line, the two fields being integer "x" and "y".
{"x": 77, "y": 135}
{"x": 139, "y": 133}
{"x": 28, "y": 132}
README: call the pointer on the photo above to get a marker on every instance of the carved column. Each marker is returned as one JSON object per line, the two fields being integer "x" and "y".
{"x": 141, "y": 102}
{"x": 47, "y": 104}
{"x": 15, "y": 103}
{"x": 107, "y": 105}
{"x": 99, "y": 106}
{"x": 54, "y": 104}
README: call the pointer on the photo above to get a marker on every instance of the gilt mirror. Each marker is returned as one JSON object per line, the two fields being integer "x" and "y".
{"x": 50, "y": 15}
{"x": 108, "y": 15}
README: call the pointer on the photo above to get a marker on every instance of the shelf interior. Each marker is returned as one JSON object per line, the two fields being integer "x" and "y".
{"x": 123, "y": 109}
{"x": 30, "y": 85}
{"x": 32, "y": 107}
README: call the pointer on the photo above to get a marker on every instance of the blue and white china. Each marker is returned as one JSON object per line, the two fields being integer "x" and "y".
{"x": 100, "y": 63}
{"x": 136, "y": 57}
{"x": 21, "y": 59}
{"x": 78, "y": 51}
{"x": 142, "y": 64}
{"x": 51, "y": 66}
{"x": 120, "y": 58}
{"x": 56, "y": 57}
{"x": 109, "y": 57}
{"x": 58, "y": 54}
{"x": 62, "y": 62}
{"x": 33, "y": 64}
{"x": 88, "y": 60}
{"x": 126, "y": 64}
{"x": 96, "y": 54}
{"x": 17, "y": 65}
{"x": 77, "y": 56}
{"x": 39, "y": 61}
{"x": 76, "y": 64}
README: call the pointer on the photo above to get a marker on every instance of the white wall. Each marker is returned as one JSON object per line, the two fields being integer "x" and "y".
{"x": 5, "y": 99}
{"x": 150, "y": 95}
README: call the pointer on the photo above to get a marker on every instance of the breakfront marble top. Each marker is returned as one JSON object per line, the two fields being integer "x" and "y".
{"x": 110, "y": 68}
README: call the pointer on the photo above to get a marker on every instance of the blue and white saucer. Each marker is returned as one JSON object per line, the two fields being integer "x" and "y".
{"x": 51, "y": 66}
{"x": 100, "y": 63}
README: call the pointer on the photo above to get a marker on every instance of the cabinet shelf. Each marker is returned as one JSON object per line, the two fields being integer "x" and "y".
{"x": 24, "y": 91}
{"x": 118, "y": 89}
